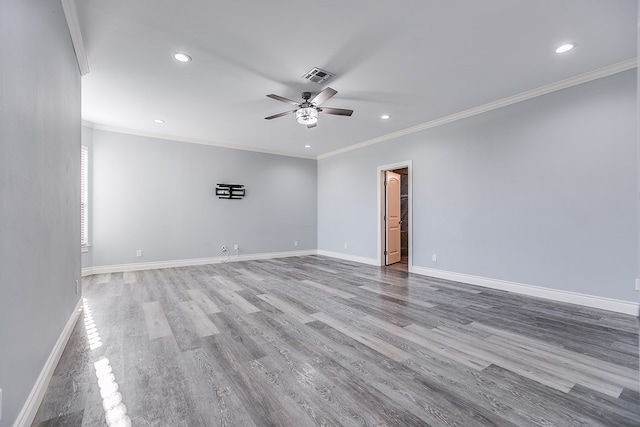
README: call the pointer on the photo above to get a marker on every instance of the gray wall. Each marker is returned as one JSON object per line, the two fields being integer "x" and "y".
{"x": 39, "y": 191}
{"x": 542, "y": 192}
{"x": 158, "y": 195}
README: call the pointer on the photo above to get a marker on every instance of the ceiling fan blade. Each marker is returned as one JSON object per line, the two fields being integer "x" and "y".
{"x": 283, "y": 99}
{"x": 336, "y": 111}
{"x": 275, "y": 116}
{"x": 323, "y": 96}
{"x": 312, "y": 125}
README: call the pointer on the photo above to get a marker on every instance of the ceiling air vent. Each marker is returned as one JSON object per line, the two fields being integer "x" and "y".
{"x": 317, "y": 75}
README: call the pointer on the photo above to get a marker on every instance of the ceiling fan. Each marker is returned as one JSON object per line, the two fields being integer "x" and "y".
{"x": 308, "y": 109}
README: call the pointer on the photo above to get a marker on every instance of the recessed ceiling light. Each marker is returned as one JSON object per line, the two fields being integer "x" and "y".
{"x": 566, "y": 47}
{"x": 385, "y": 116}
{"x": 158, "y": 120}
{"x": 182, "y": 57}
{"x": 307, "y": 146}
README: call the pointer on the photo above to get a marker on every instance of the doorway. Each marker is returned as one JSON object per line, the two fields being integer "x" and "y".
{"x": 394, "y": 201}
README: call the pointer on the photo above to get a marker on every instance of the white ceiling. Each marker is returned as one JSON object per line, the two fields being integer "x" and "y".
{"x": 417, "y": 60}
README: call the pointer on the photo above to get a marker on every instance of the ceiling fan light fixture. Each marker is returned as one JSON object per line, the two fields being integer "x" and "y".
{"x": 307, "y": 116}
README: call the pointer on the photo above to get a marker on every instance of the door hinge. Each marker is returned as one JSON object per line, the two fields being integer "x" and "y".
{"x": 385, "y": 252}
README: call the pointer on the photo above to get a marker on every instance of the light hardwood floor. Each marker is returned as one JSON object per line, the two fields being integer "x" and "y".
{"x": 312, "y": 341}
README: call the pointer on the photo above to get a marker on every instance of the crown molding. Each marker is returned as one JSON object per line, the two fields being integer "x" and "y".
{"x": 115, "y": 129}
{"x": 71, "y": 14}
{"x": 523, "y": 96}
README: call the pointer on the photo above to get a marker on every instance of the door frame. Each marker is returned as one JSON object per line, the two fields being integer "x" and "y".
{"x": 381, "y": 208}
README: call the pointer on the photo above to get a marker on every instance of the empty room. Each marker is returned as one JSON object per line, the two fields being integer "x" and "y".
{"x": 411, "y": 213}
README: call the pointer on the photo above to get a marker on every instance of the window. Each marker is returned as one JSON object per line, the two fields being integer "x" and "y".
{"x": 84, "y": 198}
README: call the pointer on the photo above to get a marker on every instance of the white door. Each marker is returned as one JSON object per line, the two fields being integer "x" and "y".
{"x": 392, "y": 217}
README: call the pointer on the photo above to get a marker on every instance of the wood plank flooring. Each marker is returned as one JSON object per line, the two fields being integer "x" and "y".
{"x": 314, "y": 341}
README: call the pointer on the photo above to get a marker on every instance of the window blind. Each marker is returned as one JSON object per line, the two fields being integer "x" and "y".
{"x": 84, "y": 184}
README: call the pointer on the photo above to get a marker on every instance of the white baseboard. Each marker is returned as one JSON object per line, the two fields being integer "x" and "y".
{"x": 625, "y": 307}
{"x": 30, "y": 408}
{"x": 121, "y": 268}
{"x": 347, "y": 257}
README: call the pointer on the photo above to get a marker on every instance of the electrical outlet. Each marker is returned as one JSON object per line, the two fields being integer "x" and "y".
{"x": 295, "y": 243}
{"x": 345, "y": 246}
{"x": 139, "y": 252}
{"x": 637, "y": 284}
{"x": 223, "y": 248}
{"x": 77, "y": 286}
{"x": 236, "y": 247}
{"x": 434, "y": 257}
